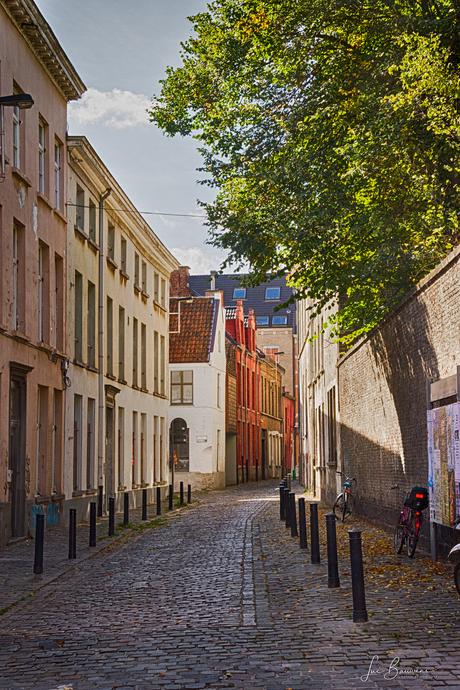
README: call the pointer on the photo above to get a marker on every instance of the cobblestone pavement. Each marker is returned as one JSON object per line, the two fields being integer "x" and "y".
{"x": 220, "y": 596}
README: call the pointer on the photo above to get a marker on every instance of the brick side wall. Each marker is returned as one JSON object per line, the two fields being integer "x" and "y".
{"x": 382, "y": 393}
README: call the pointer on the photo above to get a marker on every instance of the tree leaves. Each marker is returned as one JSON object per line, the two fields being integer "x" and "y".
{"x": 330, "y": 131}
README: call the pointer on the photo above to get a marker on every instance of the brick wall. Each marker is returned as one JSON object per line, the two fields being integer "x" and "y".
{"x": 382, "y": 393}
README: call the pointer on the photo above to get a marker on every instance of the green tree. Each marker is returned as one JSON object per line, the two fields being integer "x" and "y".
{"x": 331, "y": 132}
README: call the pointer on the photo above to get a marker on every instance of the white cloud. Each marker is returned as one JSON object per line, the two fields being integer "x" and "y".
{"x": 197, "y": 259}
{"x": 117, "y": 109}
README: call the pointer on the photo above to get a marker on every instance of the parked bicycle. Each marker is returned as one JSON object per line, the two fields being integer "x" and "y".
{"x": 456, "y": 551}
{"x": 344, "y": 503}
{"x": 410, "y": 519}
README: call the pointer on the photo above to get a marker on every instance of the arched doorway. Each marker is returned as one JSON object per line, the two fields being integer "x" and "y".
{"x": 179, "y": 446}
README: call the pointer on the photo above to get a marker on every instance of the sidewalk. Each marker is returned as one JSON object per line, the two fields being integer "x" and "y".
{"x": 17, "y": 579}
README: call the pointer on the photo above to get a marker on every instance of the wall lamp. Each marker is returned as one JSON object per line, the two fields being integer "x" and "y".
{"x": 23, "y": 101}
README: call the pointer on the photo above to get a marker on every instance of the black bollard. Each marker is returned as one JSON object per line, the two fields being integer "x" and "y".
{"x": 92, "y": 524}
{"x": 158, "y": 500}
{"x": 293, "y": 515}
{"x": 287, "y": 508}
{"x": 111, "y": 516}
{"x": 314, "y": 533}
{"x": 357, "y": 577}
{"x": 302, "y": 524}
{"x": 170, "y": 497}
{"x": 144, "y": 504}
{"x": 126, "y": 508}
{"x": 189, "y": 493}
{"x": 39, "y": 539}
{"x": 332, "y": 559}
{"x": 181, "y": 493}
{"x": 72, "y": 533}
{"x": 282, "y": 513}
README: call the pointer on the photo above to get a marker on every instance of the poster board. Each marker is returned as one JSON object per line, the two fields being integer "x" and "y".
{"x": 444, "y": 463}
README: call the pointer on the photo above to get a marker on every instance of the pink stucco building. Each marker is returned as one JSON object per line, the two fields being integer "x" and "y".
{"x": 33, "y": 226}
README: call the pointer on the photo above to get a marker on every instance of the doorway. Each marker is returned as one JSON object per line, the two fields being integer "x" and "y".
{"x": 17, "y": 451}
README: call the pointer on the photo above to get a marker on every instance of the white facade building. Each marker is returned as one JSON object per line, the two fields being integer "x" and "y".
{"x": 117, "y": 336}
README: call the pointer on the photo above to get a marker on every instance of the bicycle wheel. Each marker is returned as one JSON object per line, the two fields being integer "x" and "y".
{"x": 349, "y": 505}
{"x": 339, "y": 506}
{"x": 399, "y": 535}
{"x": 412, "y": 537}
{"x": 457, "y": 577}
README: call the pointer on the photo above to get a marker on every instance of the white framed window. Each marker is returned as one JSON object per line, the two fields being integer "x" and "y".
{"x": 41, "y": 156}
{"x": 16, "y": 138}
{"x": 57, "y": 175}
{"x": 182, "y": 388}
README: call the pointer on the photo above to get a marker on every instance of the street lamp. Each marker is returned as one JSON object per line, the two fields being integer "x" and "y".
{"x": 23, "y": 101}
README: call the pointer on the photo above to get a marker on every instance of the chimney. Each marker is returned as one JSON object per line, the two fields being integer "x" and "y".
{"x": 179, "y": 282}
{"x": 213, "y": 280}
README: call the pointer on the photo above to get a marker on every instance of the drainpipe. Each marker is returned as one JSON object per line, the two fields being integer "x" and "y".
{"x": 100, "y": 440}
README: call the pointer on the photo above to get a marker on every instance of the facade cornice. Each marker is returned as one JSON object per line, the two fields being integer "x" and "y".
{"x": 37, "y": 33}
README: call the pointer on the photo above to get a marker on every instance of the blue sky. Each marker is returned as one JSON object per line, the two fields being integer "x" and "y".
{"x": 121, "y": 51}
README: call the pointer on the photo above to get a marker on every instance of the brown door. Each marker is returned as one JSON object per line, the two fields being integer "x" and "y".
{"x": 17, "y": 457}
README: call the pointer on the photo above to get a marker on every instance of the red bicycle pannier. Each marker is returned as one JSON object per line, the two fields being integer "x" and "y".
{"x": 417, "y": 499}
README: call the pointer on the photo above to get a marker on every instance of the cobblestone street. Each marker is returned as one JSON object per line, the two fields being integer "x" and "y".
{"x": 218, "y": 596}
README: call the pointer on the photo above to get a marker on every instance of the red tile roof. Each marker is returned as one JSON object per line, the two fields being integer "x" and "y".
{"x": 194, "y": 340}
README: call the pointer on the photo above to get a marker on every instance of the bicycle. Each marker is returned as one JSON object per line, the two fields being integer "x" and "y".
{"x": 344, "y": 503}
{"x": 410, "y": 519}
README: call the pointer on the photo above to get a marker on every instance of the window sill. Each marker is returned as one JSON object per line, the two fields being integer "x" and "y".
{"x": 135, "y": 387}
{"x": 160, "y": 306}
{"x": 94, "y": 245}
{"x": 144, "y": 294}
{"x": 85, "y": 366}
{"x": 77, "y": 494}
{"x": 45, "y": 200}
{"x": 91, "y": 492}
{"x": 137, "y": 287}
{"x": 20, "y": 175}
{"x": 122, "y": 381}
{"x": 144, "y": 390}
{"x": 60, "y": 215}
{"x": 112, "y": 264}
{"x": 121, "y": 488}
{"x": 124, "y": 275}
{"x": 111, "y": 377}
{"x": 44, "y": 346}
{"x": 18, "y": 335}
{"x": 57, "y": 497}
{"x": 81, "y": 232}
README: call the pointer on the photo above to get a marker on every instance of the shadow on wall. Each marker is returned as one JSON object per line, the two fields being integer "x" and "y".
{"x": 404, "y": 355}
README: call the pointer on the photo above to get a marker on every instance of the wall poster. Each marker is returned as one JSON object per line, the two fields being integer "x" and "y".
{"x": 444, "y": 463}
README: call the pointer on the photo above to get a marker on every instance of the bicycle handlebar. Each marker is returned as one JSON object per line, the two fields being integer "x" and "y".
{"x": 350, "y": 479}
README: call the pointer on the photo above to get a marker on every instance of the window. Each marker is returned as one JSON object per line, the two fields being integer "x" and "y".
{"x": 78, "y": 316}
{"x": 121, "y": 344}
{"x": 16, "y": 138}
{"x": 134, "y": 451}
{"x": 109, "y": 336}
{"x": 121, "y": 436}
{"x": 279, "y": 320}
{"x": 163, "y": 293}
{"x": 41, "y": 156}
{"x": 77, "y": 422}
{"x": 156, "y": 465}
{"x": 136, "y": 270}
{"x": 19, "y": 287}
{"x": 90, "y": 443}
{"x": 15, "y": 277}
{"x": 58, "y": 302}
{"x": 162, "y": 364}
{"x": 43, "y": 293}
{"x": 41, "y": 441}
{"x": 111, "y": 242}
{"x": 239, "y": 293}
{"x": 143, "y": 449}
{"x": 156, "y": 297}
{"x": 218, "y": 390}
{"x": 143, "y": 356}
{"x": 135, "y": 351}
{"x": 144, "y": 277}
{"x": 332, "y": 429}
{"x": 123, "y": 264}
{"x": 57, "y": 174}
{"x": 92, "y": 221}
{"x": 272, "y": 293}
{"x": 263, "y": 320}
{"x": 80, "y": 208}
{"x": 91, "y": 325}
{"x": 182, "y": 388}
{"x": 56, "y": 442}
{"x": 155, "y": 362}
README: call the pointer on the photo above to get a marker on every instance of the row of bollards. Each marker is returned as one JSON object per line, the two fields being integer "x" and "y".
{"x": 40, "y": 522}
{"x": 288, "y": 514}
